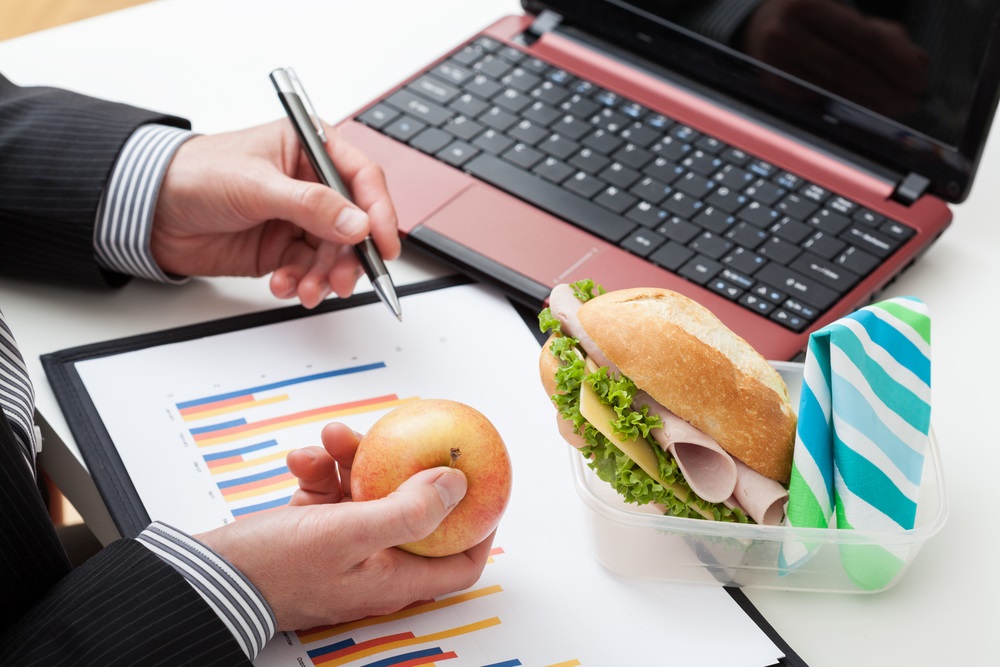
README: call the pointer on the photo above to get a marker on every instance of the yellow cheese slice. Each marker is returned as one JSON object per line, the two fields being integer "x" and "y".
{"x": 601, "y": 416}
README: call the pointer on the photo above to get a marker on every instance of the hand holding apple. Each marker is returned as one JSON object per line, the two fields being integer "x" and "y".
{"x": 429, "y": 433}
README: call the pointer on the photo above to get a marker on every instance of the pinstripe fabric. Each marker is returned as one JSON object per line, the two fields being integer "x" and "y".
{"x": 127, "y": 605}
{"x": 17, "y": 396}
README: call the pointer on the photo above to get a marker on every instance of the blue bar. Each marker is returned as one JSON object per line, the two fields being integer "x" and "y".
{"x": 250, "y": 509}
{"x": 253, "y": 478}
{"x": 241, "y": 450}
{"x": 331, "y": 648}
{"x": 506, "y": 663}
{"x": 218, "y": 427}
{"x": 406, "y": 657}
{"x": 283, "y": 383}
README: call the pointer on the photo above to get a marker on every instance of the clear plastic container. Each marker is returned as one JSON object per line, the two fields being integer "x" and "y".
{"x": 638, "y": 541}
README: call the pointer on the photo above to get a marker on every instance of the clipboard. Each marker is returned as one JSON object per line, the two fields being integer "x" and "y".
{"x": 104, "y": 458}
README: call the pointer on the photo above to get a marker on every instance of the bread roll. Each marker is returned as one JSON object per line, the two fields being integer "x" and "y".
{"x": 689, "y": 361}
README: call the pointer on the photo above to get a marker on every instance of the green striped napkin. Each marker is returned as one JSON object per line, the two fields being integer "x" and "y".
{"x": 864, "y": 419}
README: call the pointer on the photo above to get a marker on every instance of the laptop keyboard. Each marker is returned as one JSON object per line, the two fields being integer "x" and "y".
{"x": 760, "y": 236}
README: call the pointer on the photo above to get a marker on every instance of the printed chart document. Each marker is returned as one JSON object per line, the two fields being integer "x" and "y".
{"x": 202, "y": 427}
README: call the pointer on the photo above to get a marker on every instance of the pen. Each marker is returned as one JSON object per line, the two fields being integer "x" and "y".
{"x": 310, "y": 130}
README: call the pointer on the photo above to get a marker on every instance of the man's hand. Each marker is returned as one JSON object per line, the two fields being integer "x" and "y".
{"x": 247, "y": 203}
{"x": 327, "y": 560}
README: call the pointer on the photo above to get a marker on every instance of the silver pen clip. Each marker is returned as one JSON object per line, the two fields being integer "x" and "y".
{"x": 301, "y": 92}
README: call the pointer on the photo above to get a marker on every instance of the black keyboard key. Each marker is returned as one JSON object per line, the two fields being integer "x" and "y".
{"x": 700, "y": 269}
{"x": 420, "y": 108}
{"x": 570, "y": 126}
{"x": 580, "y": 106}
{"x": 871, "y": 241}
{"x": 797, "y": 207}
{"x": 632, "y": 155}
{"x": 552, "y": 198}
{"x": 733, "y": 177}
{"x": 483, "y": 87}
{"x": 455, "y": 73}
{"x": 778, "y": 250}
{"x": 727, "y": 199}
{"x": 736, "y": 278}
{"x": 761, "y": 168}
{"x": 682, "y": 205}
{"x": 671, "y": 148}
{"x": 463, "y": 128}
{"x": 823, "y": 245}
{"x": 642, "y": 242}
{"x": 693, "y": 184}
{"x": 493, "y": 66}
{"x": 486, "y": 45}
{"x": 541, "y": 113}
{"x": 658, "y": 122}
{"x": 710, "y": 245}
{"x": 679, "y": 230}
{"x": 787, "y": 180}
{"x": 757, "y": 214}
{"x": 709, "y": 144}
{"x": 714, "y": 220}
{"x": 814, "y": 192}
{"x": 553, "y": 170}
{"x": 791, "y": 230}
{"x": 378, "y": 116}
{"x": 434, "y": 89}
{"x": 492, "y": 141}
{"x": 523, "y": 156}
{"x": 744, "y": 261}
{"x": 558, "y": 146}
{"x": 671, "y": 256}
{"x": 590, "y": 161}
{"x": 664, "y": 170}
{"x": 618, "y": 174}
{"x": 870, "y": 218}
{"x": 457, "y": 153}
{"x": 789, "y": 320}
{"x": 798, "y": 286}
{"x": 497, "y": 118}
{"x": 511, "y": 54}
{"x": 550, "y": 93}
{"x": 702, "y": 163}
{"x": 765, "y": 192}
{"x": 829, "y": 221}
{"x": 684, "y": 133}
{"x": 756, "y": 304}
{"x": 536, "y": 65}
{"x": 528, "y": 132}
{"x": 512, "y": 100}
{"x": 775, "y": 296}
{"x": 431, "y": 140}
{"x": 735, "y": 156}
{"x": 469, "y": 105}
{"x": 639, "y": 134}
{"x": 728, "y": 290}
{"x": 615, "y": 200}
{"x": 467, "y": 56}
{"x": 646, "y": 214}
{"x": 633, "y": 110}
{"x": 584, "y": 184}
{"x": 602, "y": 141}
{"x": 651, "y": 190}
{"x": 833, "y": 276}
{"x": 801, "y": 309}
{"x": 404, "y": 128}
{"x": 746, "y": 235}
{"x": 858, "y": 261}
{"x": 896, "y": 230}
{"x": 521, "y": 80}
{"x": 842, "y": 206}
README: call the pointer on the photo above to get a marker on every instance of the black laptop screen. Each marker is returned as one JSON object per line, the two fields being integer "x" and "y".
{"x": 911, "y": 85}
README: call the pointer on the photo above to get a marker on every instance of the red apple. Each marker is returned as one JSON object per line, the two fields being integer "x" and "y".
{"x": 429, "y": 433}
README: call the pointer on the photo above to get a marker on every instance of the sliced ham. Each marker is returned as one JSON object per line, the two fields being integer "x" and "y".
{"x": 709, "y": 470}
{"x": 761, "y": 498}
{"x": 564, "y": 306}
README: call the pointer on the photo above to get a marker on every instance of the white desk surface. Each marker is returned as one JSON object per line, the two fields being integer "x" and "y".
{"x": 208, "y": 60}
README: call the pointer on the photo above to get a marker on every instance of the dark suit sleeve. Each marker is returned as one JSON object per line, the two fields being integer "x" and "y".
{"x": 124, "y": 606}
{"x": 57, "y": 150}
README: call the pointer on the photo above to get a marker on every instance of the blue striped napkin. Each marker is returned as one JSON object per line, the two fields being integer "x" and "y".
{"x": 864, "y": 419}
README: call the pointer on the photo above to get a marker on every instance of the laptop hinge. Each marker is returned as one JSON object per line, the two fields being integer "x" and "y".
{"x": 545, "y": 22}
{"x": 910, "y": 189}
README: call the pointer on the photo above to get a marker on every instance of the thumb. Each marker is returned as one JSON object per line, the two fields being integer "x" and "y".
{"x": 314, "y": 207}
{"x": 417, "y": 507}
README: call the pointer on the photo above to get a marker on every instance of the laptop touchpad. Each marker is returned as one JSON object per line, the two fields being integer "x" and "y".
{"x": 516, "y": 235}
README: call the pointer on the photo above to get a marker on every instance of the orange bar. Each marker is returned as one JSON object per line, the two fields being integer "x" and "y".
{"x": 205, "y": 407}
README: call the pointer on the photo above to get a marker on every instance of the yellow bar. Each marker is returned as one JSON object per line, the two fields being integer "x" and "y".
{"x": 568, "y": 663}
{"x": 229, "y": 467}
{"x": 236, "y": 407}
{"x": 309, "y": 637}
{"x": 433, "y": 637}
{"x": 283, "y": 484}
{"x": 303, "y": 420}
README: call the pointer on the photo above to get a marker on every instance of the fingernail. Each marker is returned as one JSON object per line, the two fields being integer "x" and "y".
{"x": 351, "y": 221}
{"x": 451, "y": 487}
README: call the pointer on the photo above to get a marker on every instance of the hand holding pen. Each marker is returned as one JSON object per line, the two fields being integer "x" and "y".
{"x": 313, "y": 138}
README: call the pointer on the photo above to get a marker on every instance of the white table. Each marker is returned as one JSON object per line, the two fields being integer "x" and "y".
{"x": 208, "y": 60}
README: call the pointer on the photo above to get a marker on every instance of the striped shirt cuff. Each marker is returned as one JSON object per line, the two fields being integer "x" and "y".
{"x": 237, "y": 601}
{"x": 125, "y": 213}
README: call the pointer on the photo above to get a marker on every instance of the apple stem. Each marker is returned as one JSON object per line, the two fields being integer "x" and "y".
{"x": 455, "y": 453}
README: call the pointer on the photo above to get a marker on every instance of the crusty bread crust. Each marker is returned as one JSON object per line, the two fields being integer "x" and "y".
{"x": 688, "y": 360}
{"x": 547, "y": 367}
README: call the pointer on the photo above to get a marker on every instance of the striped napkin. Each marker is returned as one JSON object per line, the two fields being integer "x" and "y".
{"x": 864, "y": 419}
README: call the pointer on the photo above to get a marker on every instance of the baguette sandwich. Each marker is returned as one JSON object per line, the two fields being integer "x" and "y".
{"x": 667, "y": 404}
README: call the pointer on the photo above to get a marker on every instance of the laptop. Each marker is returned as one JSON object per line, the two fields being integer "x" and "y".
{"x": 780, "y": 162}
